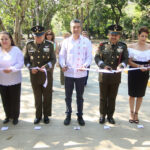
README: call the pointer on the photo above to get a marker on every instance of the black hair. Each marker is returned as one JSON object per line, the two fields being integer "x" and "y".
{"x": 75, "y": 21}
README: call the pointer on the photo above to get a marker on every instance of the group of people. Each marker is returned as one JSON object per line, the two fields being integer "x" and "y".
{"x": 75, "y": 56}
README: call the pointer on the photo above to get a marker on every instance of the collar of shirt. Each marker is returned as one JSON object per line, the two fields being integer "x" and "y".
{"x": 80, "y": 37}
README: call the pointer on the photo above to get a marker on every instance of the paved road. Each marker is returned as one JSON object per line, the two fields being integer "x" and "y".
{"x": 56, "y": 136}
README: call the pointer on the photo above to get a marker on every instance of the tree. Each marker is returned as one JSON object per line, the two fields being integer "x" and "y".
{"x": 117, "y": 7}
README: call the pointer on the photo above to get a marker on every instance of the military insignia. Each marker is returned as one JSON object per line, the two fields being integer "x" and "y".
{"x": 115, "y": 28}
{"x": 107, "y": 47}
{"x": 31, "y": 57}
{"x": 46, "y": 49}
{"x": 31, "y": 50}
{"x": 119, "y": 49}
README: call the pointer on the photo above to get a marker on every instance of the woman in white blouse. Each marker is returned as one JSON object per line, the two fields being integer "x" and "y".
{"x": 11, "y": 62}
{"x": 139, "y": 56}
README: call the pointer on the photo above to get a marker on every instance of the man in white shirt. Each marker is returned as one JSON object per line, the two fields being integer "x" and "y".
{"x": 74, "y": 56}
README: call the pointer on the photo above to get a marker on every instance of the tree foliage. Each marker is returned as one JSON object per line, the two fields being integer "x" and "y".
{"x": 18, "y": 16}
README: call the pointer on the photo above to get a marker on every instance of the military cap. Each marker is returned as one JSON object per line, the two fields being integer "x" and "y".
{"x": 38, "y": 30}
{"x": 115, "y": 29}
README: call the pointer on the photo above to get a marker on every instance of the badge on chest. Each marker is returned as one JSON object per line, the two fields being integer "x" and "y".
{"x": 46, "y": 49}
{"x": 119, "y": 49}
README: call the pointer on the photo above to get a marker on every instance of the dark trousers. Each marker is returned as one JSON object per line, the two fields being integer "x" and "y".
{"x": 11, "y": 100}
{"x": 79, "y": 86}
{"x": 87, "y": 76}
{"x": 61, "y": 77}
{"x": 42, "y": 95}
{"x": 108, "y": 93}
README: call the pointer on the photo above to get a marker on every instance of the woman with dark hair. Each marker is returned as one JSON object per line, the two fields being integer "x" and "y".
{"x": 11, "y": 62}
{"x": 50, "y": 36}
{"x": 139, "y": 57}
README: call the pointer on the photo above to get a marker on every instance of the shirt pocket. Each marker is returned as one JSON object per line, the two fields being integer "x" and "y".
{"x": 31, "y": 52}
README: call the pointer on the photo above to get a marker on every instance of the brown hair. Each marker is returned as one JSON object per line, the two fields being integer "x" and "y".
{"x": 10, "y": 36}
{"x": 51, "y": 33}
{"x": 143, "y": 29}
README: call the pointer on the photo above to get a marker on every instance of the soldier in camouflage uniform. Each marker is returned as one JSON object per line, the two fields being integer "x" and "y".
{"x": 40, "y": 53}
{"x": 111, "y": 55}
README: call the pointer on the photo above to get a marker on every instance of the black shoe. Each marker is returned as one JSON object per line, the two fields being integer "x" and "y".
{"x": 67, "y": 120}
{"x": 46, "y": 120}
{"x": 81, "y": 121}
{"x": 37, "y": 120}
{"x": 6, "y": 120}
{"x": 111, "y": 120}
{"x": 102, "y": 120}
{"x": 15, "y": 121}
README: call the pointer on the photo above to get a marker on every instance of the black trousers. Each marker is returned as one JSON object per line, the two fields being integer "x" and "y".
{"x": 108, "y": 93}
{"x": 79, "y": 86}
{"x": 42, "y": 95}
{"x": 11, "y": 100}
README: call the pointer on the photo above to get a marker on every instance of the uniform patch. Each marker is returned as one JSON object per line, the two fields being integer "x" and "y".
{"x": 119, "y": 49}
{"x": 46, "y": 49}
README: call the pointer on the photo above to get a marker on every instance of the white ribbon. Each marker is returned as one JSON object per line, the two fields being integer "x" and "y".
{"x": 110, "y": 71}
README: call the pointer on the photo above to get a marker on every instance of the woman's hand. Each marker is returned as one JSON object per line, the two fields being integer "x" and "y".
{"x": 142, "y": 68}
{"x": 7, "y": 70}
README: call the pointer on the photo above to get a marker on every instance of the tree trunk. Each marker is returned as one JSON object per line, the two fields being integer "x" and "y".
{"x": 37, "y": 12}
{"x": 77, "y": 10}
{"x": 2, "y": 25}
{"x": 82, "y": 18}
{"x": 18, "y": 23}
{"x": 88, "y": 18}
{"x": 17, "y": 35}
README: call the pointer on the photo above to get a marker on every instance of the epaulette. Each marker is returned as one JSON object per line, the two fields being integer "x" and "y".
{"x": 122, "y": 43}
{"x": 30, "y": 41}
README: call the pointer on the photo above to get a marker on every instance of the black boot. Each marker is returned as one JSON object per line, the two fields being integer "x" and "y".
{"x": 15, "y": 121}
{"x": 6, "y": 120}
{"x": 67, "y": 120}
{"x": 37, "y": 120}
{"x": 111, "y": 120}
{"x": 81, "y": 121}
{"x": 46, "y": 120}
{"x": 102, "y": 120}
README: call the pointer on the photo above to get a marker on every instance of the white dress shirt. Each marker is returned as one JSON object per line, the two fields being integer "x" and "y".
{"x": 75, "y": 54}
{"x": 14, "y": 60}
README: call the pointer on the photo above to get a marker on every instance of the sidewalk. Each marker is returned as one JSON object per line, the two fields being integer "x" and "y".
{"x": 93, "y": 136}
